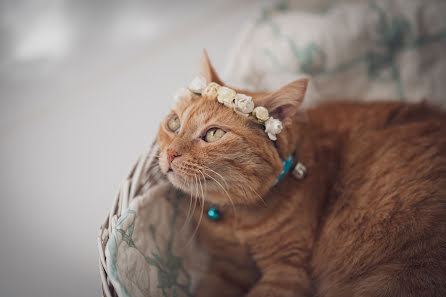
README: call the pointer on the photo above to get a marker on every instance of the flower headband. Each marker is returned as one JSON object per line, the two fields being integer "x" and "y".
{"x": 240, "y": 103}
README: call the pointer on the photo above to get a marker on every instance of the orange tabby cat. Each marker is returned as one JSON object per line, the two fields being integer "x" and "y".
{"x": 368, "y": 220}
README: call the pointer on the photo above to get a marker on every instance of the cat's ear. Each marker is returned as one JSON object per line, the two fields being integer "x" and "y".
{"x": 207, "y": 71}
{"x": 284, "y": 103}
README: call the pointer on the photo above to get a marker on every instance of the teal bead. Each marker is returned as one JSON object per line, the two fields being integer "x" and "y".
{"x": 286, "y": 166}
{"x": 213, "y": 213}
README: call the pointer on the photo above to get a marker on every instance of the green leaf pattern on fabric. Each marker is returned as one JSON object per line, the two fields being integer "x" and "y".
{"x": 170, "y": 268}
{"x": 395, "y": 34}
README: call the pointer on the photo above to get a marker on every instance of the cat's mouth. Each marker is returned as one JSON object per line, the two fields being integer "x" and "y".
{"x": 189, "y": 182}
{"x": 211, "y": 188}
{"x": 174, "y": 176}
{"x": 179, "y": 179}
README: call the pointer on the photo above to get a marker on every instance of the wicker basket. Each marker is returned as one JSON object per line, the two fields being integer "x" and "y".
{"x": 144, "y": 175}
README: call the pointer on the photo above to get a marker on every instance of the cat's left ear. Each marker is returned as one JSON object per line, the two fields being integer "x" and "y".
{"x": 207, "y": 71}
{"x": 284, "y": 103}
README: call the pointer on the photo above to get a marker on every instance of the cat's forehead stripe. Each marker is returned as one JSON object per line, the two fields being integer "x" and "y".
{"x": 184, "y": 116}
{"x": 209, "y": 117}
{"x": 191, "y": 113}
{"x": 194, "y": 113}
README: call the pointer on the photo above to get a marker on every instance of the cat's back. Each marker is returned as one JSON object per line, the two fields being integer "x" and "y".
{"x": 347, "y": 116}
{"x": 386, "y": 217}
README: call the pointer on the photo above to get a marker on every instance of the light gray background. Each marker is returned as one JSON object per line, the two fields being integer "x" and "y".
{"x": 83, "y": 85}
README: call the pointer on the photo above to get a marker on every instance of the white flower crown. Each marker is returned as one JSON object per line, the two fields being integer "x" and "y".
{"x": 240, "y": 103}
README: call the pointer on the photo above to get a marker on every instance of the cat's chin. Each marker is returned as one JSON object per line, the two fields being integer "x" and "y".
{"x": 180, "y": 182}
{"x": 176, "y": 179}
{"x": 213, "y": 192}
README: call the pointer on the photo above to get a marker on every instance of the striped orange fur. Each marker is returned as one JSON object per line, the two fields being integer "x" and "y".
{"x": 368, "y": 220}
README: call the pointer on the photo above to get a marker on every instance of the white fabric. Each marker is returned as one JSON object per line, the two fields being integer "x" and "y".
{"x": 140, "y": 262}
{"x": 376, "y": 50}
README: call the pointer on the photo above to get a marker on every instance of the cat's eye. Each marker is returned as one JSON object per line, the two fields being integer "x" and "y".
{"x": 173, "y": 123}
{"x": 214, "y": 134}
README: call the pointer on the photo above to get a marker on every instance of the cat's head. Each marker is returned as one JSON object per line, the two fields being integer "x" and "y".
{"x": 206, "y": 146}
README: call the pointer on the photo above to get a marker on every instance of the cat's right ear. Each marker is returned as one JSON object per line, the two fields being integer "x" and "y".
{"x": 284, "y": 103}
{"x": 207, "y": 71}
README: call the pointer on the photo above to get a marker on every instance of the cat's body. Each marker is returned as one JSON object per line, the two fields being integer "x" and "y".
{"x": 369, "y": 219}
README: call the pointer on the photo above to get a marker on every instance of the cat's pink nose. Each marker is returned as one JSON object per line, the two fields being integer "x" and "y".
{"x": 171, "y": 155}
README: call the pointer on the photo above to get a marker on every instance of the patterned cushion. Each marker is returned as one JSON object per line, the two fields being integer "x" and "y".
{"x": 374, "y": 50}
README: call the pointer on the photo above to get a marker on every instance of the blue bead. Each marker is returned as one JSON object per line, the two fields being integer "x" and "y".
{"x": 286, "y": 165}
{"x": 213, "y": 213}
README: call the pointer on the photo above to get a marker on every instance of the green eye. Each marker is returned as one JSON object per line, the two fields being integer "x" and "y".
{"x": 214, "y": 134}
{"x": 173, "y": 123}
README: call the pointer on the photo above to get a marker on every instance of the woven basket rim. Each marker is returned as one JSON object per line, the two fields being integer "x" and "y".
{"x": 143, "y": 175}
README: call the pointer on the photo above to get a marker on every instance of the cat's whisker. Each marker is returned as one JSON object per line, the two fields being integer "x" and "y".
{"x": 255, "y": 192}
{"x": 226, "y": 192}
{"x": 205, "y": 185}
{"x": 219, "y": 175}
{"x": 201, "y": 214}
{"x": 202, "y": 202}
{"x": 204, "y": 179}
{"x": 195, "y": 194}
{"x": 188, "y": 216}
{"x": 224, "y": 180}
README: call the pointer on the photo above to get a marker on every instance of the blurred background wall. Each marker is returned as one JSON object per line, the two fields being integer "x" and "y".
{"x": 83, "y": 85}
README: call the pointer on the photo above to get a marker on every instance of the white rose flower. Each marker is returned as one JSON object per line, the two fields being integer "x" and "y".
{"x": 261, "y": 113}
{"x": 243, "y": 104}
{"x": 272, "y": 127}
{"x": 226, "y": 96}
{"x": 211, "y": 91}
{"x": 198, "y": 84}
{"x": 182, "y": 94}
